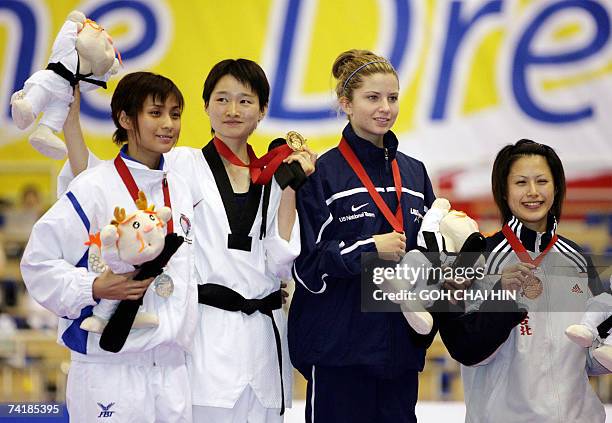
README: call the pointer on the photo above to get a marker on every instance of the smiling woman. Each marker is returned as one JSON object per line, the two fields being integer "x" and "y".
{"x": 531, "y": 191}
{"x": 359, "y": 200}
{"x": 374, "y": 106}
{"x": 60, "y": 275}
{"x": 546, "y": 272}
{"x": 234, "y": 110}
{"x": 528, "y": 182}
{"x": 246, "y": 237}
{"x": 246, "y": 241}
{"x": 150, "y": 124}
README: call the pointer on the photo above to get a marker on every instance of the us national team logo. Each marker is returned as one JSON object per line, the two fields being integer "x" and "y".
{"x": 106, "y": 410}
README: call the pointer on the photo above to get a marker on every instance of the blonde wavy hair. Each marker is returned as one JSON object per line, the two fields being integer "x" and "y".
{"x": 351, "y": 66}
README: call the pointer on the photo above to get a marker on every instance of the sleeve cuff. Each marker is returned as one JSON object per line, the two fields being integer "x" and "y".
{"x": 85, "y": 287}
{"x": 281, "y": 253}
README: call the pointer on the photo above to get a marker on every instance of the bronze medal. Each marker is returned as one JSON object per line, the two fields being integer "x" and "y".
{"x": 295, "y": 141}
{"x": 533, "y": 287}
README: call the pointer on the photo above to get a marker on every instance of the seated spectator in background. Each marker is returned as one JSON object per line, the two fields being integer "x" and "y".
{"x": 19, "y": 219}
{"x": 2, "y": 258}
{"x": 38, "y": 317}
{"x": 7, "y": 324}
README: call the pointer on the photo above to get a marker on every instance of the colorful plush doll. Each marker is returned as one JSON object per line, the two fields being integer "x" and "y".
{"x": 83, "y": 54}
{"x": 447, "y": 238}
{"x": 594, "y": 326}
{"x": 128, "y": 242}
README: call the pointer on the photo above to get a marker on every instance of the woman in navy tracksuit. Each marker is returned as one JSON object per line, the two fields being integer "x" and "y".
{"x": 360, "y": 366}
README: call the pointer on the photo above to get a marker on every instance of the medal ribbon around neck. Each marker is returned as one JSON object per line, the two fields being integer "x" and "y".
{"x": 520, "y": 249}
{"x": 130, "y": 184}
{"x": 397, "y": 220}
{"x": 261, "y": 169}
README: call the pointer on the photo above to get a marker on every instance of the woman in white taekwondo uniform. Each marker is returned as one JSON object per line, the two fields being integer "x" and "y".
{"x": 246, "y": 239}
{"x": 147, "y": 381}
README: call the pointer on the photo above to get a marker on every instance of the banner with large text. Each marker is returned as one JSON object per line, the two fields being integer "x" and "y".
{"x": 474, "y": 74}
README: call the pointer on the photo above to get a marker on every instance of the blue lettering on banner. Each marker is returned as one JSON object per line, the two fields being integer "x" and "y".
{"x": 278, "y": 108}
{"x": 26, "y": 18}
{"x": 149, "y": 37}
{"x": 27, "y": 45}
{"x": 457, "y": 29}
{"x": 524, "y": 58}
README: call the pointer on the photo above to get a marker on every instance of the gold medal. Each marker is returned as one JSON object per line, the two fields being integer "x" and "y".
{"x": 533, "y": 287}
{"x": 295, "y": 141}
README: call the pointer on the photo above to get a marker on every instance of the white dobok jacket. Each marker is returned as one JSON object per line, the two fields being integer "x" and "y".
{"x": 54, "y": 265}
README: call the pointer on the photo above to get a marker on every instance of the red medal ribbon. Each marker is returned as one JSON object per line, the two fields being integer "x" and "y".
{"x": 520, "y": 250}
{"x": 397, "y": 220}
{"x": 130, "y": 184}
{"x": 261, "y": 169}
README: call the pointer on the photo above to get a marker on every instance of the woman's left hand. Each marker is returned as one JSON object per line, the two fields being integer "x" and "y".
{"x": 306, "y": 158}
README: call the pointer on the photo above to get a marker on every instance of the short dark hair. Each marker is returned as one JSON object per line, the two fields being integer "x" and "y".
{"x": 246, "y": 71}
{"x": 132, "y": 92}
{"x": 504, "y": 161}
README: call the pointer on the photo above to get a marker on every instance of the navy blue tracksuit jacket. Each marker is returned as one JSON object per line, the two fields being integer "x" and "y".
{"x": 337, "y": 221}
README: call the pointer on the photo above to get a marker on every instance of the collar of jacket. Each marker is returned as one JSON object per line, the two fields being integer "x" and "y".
{"x": 528, "y": 236}
{"x": 368, "y": 153}
{"x": 129, "y": 160}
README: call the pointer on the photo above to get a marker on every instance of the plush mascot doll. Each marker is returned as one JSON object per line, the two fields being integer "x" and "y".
{"x": 115, "y": 333}
{"x": 82, "y": 54}
{"x": 129, "y": 241}
{"x": 594, "y": 328}
{"x": 448, "y": 238}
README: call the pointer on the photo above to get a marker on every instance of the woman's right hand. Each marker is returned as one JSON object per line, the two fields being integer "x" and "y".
{"x": 390, "y": 246}
{"x": 119, "y": 287}
{"x": 515, "y": 275}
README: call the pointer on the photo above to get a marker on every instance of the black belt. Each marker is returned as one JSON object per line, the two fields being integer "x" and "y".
{"x": 222, "y": 297}
{"x": 604, "y": 327}
{"x": 73, "y": 79}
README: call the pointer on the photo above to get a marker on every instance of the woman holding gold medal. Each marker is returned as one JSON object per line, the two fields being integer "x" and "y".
{"x": 521, "y": 367}
{"x": 246, "y": 239}
{"x": 365, "y": 196}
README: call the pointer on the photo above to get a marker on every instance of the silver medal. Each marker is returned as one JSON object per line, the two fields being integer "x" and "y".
{"x": 164, "y": 286}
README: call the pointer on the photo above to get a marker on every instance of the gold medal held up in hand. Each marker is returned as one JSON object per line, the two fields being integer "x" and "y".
{"x": 295, "y": 141}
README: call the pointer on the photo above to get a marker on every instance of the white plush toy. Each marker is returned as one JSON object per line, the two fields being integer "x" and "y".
{"x": 442, "y": 230}
{"x": 82, "y": 54}
{"x": 127, "y": 242}
{"x": 599, "y": 309}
